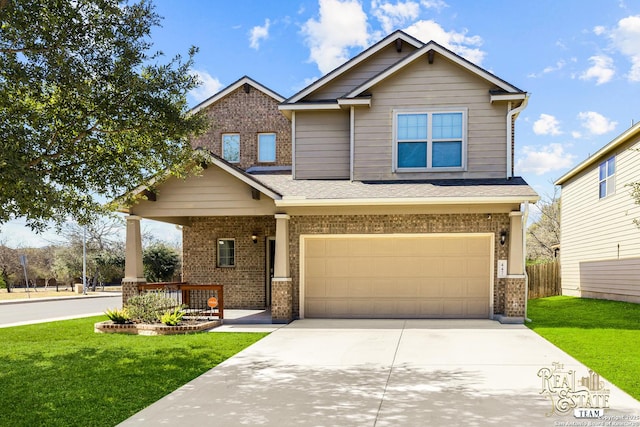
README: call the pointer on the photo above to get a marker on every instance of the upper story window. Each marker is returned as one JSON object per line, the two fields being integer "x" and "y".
{"x": 231, "y": 147}
{"x": 607, "y": 177}
{"x": 267, "y": 147}
{"x": 430, "y": 140}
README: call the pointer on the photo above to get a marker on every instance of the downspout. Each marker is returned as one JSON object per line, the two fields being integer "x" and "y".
{"x": 525, "y": 218}
{"x": 510, "y": 115}
{"x": 352, "y": 120}
{"x": 293, "y": 145}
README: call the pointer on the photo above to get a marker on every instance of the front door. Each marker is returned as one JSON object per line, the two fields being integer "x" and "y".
{"x": 271, "y": 256}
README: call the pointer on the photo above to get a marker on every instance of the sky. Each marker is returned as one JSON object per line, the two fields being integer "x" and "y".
{"x": 578, "y": 60}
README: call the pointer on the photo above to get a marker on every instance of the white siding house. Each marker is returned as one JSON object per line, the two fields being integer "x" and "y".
{"x": 600, "y": 254}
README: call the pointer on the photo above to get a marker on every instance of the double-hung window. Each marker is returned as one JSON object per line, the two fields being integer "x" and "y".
{"x": 430, "y": 140}
{"x": 607, "y": 177}
{"x": 267, "y": 147}
{"x": 231, "y": 147}
{"x": 226, "y": 253}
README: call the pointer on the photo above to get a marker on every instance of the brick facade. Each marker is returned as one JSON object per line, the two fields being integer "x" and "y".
{"x": 247, "y": 114}
{"x": 244, "y": 284}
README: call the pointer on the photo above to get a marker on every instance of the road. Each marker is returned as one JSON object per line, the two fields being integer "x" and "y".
{"x": 15, "y": 314}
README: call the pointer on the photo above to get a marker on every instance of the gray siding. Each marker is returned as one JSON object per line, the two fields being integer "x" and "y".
{"x": 361, "y": 72}
{"x": 598, "y": 237}
{"x": 429, "y": 86}
{"x": 322, "y": 145}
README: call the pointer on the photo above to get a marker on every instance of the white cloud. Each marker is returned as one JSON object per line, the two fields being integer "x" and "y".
{"x": 599, "y": 30}
{"x": 547, "y": 125}
{"x": 259, "y": 33}
{"x": 625, "y": 38}
{"x": 544, "y": 159}
{"x": 558, "y": 66}
{"x": 393, "y": 16}
{"x": 342, "y": 25}
{"x": 462, "y": 44}
{"x": 575, "y": 134}
{"x": 602, "y": 69}
{"x": 434, "y": 4}
{"x": 596, "y": 123}
{"x": 210, "y": 86}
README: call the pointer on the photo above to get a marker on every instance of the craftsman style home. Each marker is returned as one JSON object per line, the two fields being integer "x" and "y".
{"x": 600, "y": 256}
{"x": 385, "y": 189}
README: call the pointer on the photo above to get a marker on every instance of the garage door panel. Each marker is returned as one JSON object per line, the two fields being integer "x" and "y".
{"x": 398, "y": 276}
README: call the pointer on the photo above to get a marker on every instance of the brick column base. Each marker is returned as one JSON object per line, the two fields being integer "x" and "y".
{"x": 129, "y": 289}
{"x": 281, "y": 300}
{"x": 515, "y": 296}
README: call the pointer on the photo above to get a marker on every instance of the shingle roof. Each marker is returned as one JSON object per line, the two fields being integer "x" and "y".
{"x": 438, "y": 189}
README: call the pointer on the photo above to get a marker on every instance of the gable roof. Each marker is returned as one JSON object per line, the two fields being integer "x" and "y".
{"x": 391, "y": 38}
{"x": 621, "y": 139}
{"x": 233, "y": 86}
{"x": 435, "y": 47}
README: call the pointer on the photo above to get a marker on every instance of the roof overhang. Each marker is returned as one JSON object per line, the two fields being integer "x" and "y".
{"x": 623, "y": 138}
{"x": 508, "y": 97}
{"x": 429, "y": 201}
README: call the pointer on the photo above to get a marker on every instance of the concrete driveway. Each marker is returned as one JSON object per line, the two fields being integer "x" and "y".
{"x": 391, "y": 373}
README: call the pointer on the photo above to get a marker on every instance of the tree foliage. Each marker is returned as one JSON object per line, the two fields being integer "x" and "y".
{"x": 86, "y": 110}
{"x": 635, "y": 194}
{"x": 544, "y": 234}
{"x": 160, "y": 262}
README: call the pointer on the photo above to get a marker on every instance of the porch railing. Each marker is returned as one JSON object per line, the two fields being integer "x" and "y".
{"x": 198, "y": 300}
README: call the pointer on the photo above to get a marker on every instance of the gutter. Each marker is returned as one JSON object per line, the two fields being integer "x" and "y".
{"x": 510, "y": 126}
{"x": 289, "y": 201}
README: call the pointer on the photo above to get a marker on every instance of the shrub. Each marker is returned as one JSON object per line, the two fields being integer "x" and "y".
{"x": 172, "y": 318}
{"x": 149, "y": 307}
{"x": 118, "y": 315}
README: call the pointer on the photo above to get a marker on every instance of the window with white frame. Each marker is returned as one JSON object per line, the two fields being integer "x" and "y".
{"x": 231, "y": 147}
{"x": 430, "y": 140}
{"x": 607, "y": 177}
{"x": 267, "y": 147}
{"x": 226, "y": 253}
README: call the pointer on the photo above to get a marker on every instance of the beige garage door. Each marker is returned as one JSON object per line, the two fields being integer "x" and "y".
{"x": 393, "y": 276}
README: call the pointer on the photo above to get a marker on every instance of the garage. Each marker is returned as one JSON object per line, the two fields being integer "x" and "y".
{"x": 397, "y": 276}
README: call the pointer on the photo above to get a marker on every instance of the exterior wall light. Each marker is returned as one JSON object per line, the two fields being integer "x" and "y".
{"x": 254, "y": 237}
{"x": 503, "y": 237}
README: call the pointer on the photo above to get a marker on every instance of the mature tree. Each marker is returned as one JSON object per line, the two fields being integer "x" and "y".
{"x": 635, "y": 194}
{"x": 9, "y": 265}
{"x": 86, "y": 109}
{"x": 160, "y": 262}
{"x": 544, "y": 234}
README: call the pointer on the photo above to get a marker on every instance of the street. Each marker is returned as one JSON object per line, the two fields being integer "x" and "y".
{"x": 15, "y": 314}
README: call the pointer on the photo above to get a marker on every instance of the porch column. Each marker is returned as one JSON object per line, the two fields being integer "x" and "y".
{"x": 515, "y": 265}
{"x": 133, "y": 270}
{"x": 281, "y": 286}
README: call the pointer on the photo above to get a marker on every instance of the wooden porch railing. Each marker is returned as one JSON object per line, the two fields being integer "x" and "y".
{"x": 184, "y": 289}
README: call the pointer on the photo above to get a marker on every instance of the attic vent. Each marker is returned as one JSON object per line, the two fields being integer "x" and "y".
{"x": 430, "y": 56}
{"x": 398, "y": 45}
{"x": 247, "y": 88}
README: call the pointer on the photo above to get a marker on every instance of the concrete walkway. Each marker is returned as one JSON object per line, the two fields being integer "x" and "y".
{"x": 387, "y": 373}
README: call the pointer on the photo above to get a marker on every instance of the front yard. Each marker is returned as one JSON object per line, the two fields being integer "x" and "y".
{"x": 64, "y": 374}
{"x": 604, "y": 335}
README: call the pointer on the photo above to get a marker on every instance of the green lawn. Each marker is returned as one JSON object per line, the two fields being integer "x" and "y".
{"x": 604, "y": 335}
{"x": 64, "y": 374}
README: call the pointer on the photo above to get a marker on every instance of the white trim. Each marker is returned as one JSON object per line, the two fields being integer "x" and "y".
{"x": 261, "y": 188}
{"x": 275, "y": 146}
{"x": 442, "y": 51}
{"x": 309, "y": 106}
{"x": 428, "y": 201}
{"x": 282, "y": 216}
{"x": 621, "y": 139}
{"x": 508, "y": 97}
{"x": 304, "y": 237}
{"x": 226, "y": 91}
{"x": 511, "y": 116}
{"x": 352, "y": 140}
{"x": 355, "y": 61}
{"x": 293, "y": 145}
{"x": 355, "y": 102}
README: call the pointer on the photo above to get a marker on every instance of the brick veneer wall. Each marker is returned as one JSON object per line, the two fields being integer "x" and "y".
{"x": 244, "y": 284}
{"x": 386, "y": 224}
{"x": 247, "y": 114}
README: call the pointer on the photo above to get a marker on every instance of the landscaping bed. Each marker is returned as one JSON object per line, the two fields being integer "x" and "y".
{"x": 185, "y": 327}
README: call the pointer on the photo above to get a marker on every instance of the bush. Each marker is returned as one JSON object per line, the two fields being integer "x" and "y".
{"x": 119, "y": 316}
{"x": 160, "y": 262}
{"x": 172, "y": 318}
{"x": 149, "y": 307}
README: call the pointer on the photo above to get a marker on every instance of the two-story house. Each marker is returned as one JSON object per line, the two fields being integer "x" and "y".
{"x": 600, "y": 256}
{"x": 399, "y": 200}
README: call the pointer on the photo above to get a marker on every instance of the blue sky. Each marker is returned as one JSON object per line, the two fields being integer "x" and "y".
{"x": 579, "y": 60}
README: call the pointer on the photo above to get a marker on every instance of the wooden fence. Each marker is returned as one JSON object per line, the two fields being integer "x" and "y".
{"x": 544, "y": 280}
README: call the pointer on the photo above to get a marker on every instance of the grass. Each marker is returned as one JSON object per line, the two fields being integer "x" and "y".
{"x": 64, "y": 374}
{"x": 603, "y": 335}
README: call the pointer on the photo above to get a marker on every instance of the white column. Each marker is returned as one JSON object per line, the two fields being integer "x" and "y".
{"x": 133, "y": 270}
{"x": 281, "y": 261}
{"x": 516, "y": 249}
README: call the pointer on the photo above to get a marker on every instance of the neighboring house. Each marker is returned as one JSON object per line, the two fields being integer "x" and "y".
{"x": 600, "y": 256}
{"x": 400, "y": 200}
